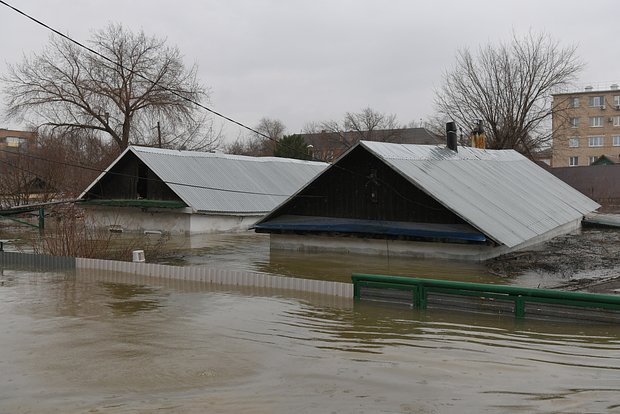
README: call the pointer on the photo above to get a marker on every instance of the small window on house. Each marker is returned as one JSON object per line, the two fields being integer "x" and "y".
{"x": 615, "y": 140}
{"x": 573, "y": 142}
{"x": 596, "y": 141}
{"x": 573, "y": 161}
{"x": 574, "y": 122}
{"x": 616, "y": 120}
{"x": 596, "y": 121}
{"x": 617, "y": 101}
{"x": 591, "y": 159}
{"x": 596, "y": 101}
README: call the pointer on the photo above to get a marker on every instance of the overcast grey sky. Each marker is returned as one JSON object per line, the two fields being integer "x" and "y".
{"x": 313, "y": 60}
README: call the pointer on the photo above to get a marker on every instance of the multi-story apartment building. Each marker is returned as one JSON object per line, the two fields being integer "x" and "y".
{"x": 586, "y": 125}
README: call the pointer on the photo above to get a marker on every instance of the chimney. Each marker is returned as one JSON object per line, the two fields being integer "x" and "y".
{"x": 451, "y": 136}
{"x": 614, "y": 87}
{"x": 589, "y": 88}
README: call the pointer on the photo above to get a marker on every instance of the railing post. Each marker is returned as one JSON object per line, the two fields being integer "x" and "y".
{"x": 41, "y": 219}
{"x": 519, "y": 307}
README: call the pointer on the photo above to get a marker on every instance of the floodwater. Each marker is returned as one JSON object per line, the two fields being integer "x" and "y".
{"x": 83, "y": 343}
{"x": 250, "y": 251}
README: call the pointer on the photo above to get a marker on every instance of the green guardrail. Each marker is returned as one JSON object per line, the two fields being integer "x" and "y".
{"x": 420, "y": 290}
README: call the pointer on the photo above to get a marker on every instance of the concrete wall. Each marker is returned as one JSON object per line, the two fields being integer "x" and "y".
{"x": 164, "y": 220}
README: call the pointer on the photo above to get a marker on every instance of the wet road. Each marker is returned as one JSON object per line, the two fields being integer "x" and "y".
{"x": 88, "y": 345}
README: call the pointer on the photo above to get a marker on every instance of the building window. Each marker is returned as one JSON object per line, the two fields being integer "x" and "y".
{"x": 591, "y": 159}
{"x": 615, "y": 140}
{"x": 617, "y": 101}
{"x": 574, "y": 102}
{"x": 14, "y": 141}
{"x": 596, "y": 101}
{"x": 573, "y": 142}
{"x": 596, "y": 121}
{"x": 574, "y": 122}
{"x": 616, "y": 120}
{"x": 595, "y": 141}
{"x": 573, "y": 161}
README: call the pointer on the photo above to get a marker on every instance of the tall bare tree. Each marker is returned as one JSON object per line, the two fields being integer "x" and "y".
{"x": 509, "y": 87}
{"x": 141, "y": 82}
{"x": 361, "y": 125}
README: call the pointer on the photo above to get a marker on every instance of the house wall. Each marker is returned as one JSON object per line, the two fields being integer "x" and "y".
{"x": 174, "y": 222}
{"x": 417, "y": 250}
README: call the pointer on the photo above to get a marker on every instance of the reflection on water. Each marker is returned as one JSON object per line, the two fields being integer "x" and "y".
{"x": 250, "y": 251}
{"x": 66, "y": 348}
{"x": 128, "y": 299}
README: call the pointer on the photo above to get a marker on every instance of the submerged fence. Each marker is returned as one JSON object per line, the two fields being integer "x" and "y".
{"x": 414, "y": 292}
{"x": 209, "y": 275}
{"x": 519, "y": 301}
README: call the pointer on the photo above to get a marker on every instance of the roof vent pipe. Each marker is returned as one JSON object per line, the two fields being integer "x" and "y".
{"x": 451, "y": 136}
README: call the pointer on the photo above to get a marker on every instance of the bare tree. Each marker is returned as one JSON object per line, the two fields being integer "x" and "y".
{"x": 362, "y": 125}
{"x": 509, "y": 88}
{"x": 261, "y": 144}
{"x": 274, "y": 130}
{"x": 140, "y": 82}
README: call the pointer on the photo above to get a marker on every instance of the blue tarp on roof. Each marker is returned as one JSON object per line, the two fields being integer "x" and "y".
{"x": 372, "y": 227}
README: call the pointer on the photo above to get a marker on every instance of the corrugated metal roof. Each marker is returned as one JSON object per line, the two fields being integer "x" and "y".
{"x": 500, "y": 192}
{"x": 224, "y": 183}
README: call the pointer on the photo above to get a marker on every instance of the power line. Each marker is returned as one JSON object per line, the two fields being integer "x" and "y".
{"x": 188, "y": 100}
{"x": 98, "y": 170}
{"x": 91, "y": 50}
{"x": 175, "y": 93}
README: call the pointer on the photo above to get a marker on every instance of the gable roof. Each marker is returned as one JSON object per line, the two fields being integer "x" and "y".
{"x": 223, "y": 183}
{"x": 607, "y": 159}
{"x": 499, "y": 192}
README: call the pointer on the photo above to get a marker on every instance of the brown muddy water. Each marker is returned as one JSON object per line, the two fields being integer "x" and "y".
{"x": 82, "y": 343}
{"x": 85, "y": 343}
{"x": 250, "y": 251}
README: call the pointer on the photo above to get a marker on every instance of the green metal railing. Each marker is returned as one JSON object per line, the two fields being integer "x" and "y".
{"x": 419, "y": 293}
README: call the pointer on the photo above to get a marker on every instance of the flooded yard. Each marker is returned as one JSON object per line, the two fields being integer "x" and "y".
{"x": 81, "y": 343}
{"x": 585, "y": 260}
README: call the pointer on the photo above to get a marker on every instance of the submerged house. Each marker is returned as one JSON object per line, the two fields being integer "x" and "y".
{"x": 191, "y": 192}
{"x": 426, "y": 201}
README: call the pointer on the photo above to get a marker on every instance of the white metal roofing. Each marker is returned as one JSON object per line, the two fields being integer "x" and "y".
{"x": 500, "y": 192}
{"x": 224, "y": 183}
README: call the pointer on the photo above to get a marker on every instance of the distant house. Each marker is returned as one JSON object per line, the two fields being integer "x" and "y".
{"x": 12, "y": 140}
{"x": 327, "y": 146}
{"x": 192, "y": 192}
{"x": 607, "y": 160}
{"x": 426, "y": 201}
